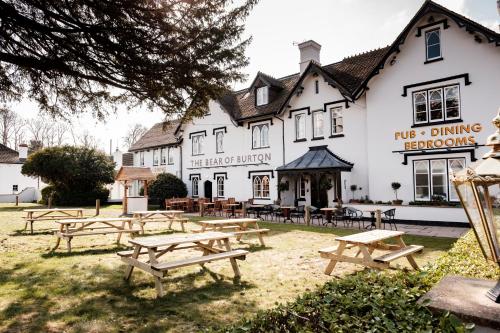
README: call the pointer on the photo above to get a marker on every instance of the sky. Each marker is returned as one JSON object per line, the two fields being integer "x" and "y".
{"x": 342, "y": 27}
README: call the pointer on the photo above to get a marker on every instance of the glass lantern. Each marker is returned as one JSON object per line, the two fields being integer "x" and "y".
{"x": 478, "y": 188}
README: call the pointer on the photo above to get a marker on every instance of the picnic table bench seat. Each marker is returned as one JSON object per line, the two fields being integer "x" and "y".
{"x": 253, "y": 231}
{"x": 237, "y": 227}
{"x": 101, "y": 232}
{"x": 388, "y": 257}
{"x": 165, "y": 266}
{"x": 333, "y": 249}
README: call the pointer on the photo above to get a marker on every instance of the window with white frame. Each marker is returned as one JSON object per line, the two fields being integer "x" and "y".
{"x": 337, "y": 120}
{"x": 433, "y": 44}
{"x": 15, "y": 188}
{"x": 220, "y": 186}
{"x": 302, "y": 187}
{"x": 260, "y": 136}
{"x": 141, "y": 158}
{"x": 317, "y": 118}
{"x": 436, "y": 104}
{"x": 197, "y": 144}
{"x": 194, "y": 186}
{"x": 300, "y": 126}
{"x": 163, "y": 156}
{"x": 170, "y": 155}
{"x": 261, "y": 187}
{"x": 219, "y": 141}
{"x": 262, "y": 95}
{"x": 156, "y": 156}
{"x": 432, "y": 178}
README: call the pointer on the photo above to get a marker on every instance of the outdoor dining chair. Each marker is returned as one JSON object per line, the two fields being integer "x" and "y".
{"x": 389, "y": 217}
{"x": 277, "y": 213}
{"x": 299, "y": 213}
{"x": 355, "y": 215}
{"x": 315, "y": 214}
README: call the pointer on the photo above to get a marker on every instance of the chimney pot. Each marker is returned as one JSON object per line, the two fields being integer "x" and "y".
{"x": 309, "y": 51}
{"x": 23, "y": 152}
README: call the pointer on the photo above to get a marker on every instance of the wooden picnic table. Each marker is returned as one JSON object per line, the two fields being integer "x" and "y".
{"x": 70, "y": 228}
{"x": 366, "y": 243}
{"x": 157, "y": 246}
{"x": 50, "y": 214}
{"x": 170, "y": 216}
{"x": 237, "y": 227}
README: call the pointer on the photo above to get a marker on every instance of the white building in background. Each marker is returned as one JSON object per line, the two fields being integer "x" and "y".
{"x": 12, "y": 182}
{"x": 410, "y": 113}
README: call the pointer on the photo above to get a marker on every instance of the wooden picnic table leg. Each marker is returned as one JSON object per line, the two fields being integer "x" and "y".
{"x": 409, "y": 257}
{"x": 182, "y": 224}
{"x": 130, "y": 268}
{"x": 234, "y": 264}
{"x": 120, "y": 233}
{"x": 68, "y": 239}
{"x": 333, "y": 262}
{"x": 152, "y": 260}
{"x": 58, "y": 241}
{"x": 131, "y": 226}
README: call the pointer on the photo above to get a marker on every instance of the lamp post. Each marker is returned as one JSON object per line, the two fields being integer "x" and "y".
{"x": 478, "y": 187}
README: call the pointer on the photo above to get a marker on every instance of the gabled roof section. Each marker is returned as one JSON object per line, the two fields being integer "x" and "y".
{"x": 8, "y": 155}
{"x": 129, "y": 173}
{"x": 317, "y": 158}
{"x": 267, "y": 80}
{"x": 427, "y": 8}
{"x": 161, "y": 134}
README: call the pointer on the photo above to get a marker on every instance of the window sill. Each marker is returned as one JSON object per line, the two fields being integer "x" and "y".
{"x": 219, "y": 152}
{"x": 261, "y": 198}
{"x": 253, "y": 148}
{"x": 300, "y": 140}
{"x": 452, "y": 121}
{"x": 318, "y": 138}
{"x": 336, "y": 136}
{"x": 433, "y": 60}
{"x": 197, "y": 154}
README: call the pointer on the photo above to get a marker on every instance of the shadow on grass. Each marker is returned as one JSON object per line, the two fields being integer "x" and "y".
{"x": 98, "y": 296}
{"x": 23, "y": 232}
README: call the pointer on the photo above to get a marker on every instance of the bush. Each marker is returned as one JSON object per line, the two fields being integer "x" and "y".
{"x": 166, "y": 186}
{"x": 64, "y": 198}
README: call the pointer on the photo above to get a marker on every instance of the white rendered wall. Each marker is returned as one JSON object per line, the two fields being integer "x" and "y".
{"x": 389, "y": 112}
{"x": 10, "y": 174}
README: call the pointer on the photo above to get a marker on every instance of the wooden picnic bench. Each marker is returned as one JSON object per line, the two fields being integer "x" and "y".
{"x": 237, "y": 227}
{"x": 167, "y": 216}
{"x": 157, "y": 246}
{"x": 367, "y": 242}
{"x": 93, "y": 226}
{"x": 50, "y": 214}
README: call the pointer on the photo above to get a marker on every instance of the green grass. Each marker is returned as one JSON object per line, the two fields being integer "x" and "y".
{"x": 85, "y": 291}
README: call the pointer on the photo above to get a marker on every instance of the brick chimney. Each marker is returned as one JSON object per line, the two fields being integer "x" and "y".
{"x": 309, "y": 51}
{"x": 23, "y": 151}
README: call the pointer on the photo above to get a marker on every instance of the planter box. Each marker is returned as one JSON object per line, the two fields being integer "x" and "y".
{"x": 433, "y": 215}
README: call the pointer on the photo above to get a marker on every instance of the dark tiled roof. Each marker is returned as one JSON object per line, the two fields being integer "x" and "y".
{"x": 319, "y": 157}
{"x": 8, "y": 155}
{"x": 352, "y": 71}
{"x": 160, "y": 134}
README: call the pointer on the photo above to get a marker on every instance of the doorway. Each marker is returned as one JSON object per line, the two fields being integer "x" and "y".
{"x": 207, "y": 189}
{"x": 319, "y": 191}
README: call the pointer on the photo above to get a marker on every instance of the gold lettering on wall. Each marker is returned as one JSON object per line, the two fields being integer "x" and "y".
{"x": 440, "y": 137}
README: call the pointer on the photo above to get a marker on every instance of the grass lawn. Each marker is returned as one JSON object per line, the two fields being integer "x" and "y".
{"x": 85, "y": 291}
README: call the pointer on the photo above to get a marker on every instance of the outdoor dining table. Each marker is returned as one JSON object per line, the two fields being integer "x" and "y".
{"x": 286, "y": 213}
{"x": 158, "y": 246}
{"x": 373, "y": 220}
{"x": 238, "y": 227}
{"x": 257, "y": 208}
{"x": 50, "y": 214}
{"x": 366, "y": 243}
{"x": 178, "y": 203}
{"x": 170, "y": 216}
{"x": 329, "y": 212}
{"x": 233, "y": 208}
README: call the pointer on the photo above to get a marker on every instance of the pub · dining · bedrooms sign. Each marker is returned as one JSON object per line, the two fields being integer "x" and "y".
{"x": 439, "y": 137}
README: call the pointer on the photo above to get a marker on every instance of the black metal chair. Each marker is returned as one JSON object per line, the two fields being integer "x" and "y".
{"x": 315, "y": 214}
{"x": 355, "y": 215}
{"x": 266, "y": 212}
{"x": 276, "y": 213}
{"x": 388, "y": 217}
{"x": 299, "y": 213}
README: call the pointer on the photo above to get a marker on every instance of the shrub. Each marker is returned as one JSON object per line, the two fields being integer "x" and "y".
{"x": 395, "y": 187}
{"x": 166, "y": 186}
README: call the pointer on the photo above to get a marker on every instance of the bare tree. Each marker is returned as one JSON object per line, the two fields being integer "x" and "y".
{"x": 134, "y": 133}
{"x": 84, "y": 139}
{"x": 36, "y": 129}
{"x": 11, "y": 128}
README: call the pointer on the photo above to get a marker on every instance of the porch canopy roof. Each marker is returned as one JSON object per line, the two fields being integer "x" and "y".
{"x": 128, "y": 173}
{"x": 318, "y": 158}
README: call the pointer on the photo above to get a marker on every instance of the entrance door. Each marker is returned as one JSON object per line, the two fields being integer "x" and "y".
{"x": 207, "y": 186}
{"x": 319, "y": 191}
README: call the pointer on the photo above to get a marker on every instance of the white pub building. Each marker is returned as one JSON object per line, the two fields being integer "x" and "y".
{"x": 409, "y": 113}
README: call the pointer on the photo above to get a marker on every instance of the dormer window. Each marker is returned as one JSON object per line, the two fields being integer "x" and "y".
{"x": 262, "y": 95}
{"x": 433, "y": 44}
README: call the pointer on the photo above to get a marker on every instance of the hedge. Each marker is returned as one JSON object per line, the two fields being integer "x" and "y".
{"x": 371, "y": 301}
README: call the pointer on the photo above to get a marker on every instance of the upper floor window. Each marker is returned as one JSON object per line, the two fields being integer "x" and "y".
{"x": 433, "y": 44}
{"x": 194, "y": 186}
{"x": 170, "y": 155}
{"x": 156, "y": 157}
{"x": 317, "y": 118}
{"x": 197, "y": 144}
{"x": 436, "y": 104}
{"x": 163, "y": 156}
{"x": 337, "y": 120}
{"x": 300, "y": 126}
{"x": 141, "y": 158}
{"x": 219, "y": 141}
{"x": 261, "y": 187}
{"x": 260, "y": 136}
{"x": 220, "y": 186}
{"x": 262, "y": 95}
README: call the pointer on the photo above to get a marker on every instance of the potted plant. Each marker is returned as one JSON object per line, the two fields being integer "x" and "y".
{"x": 283, "y": 186}
{"x": 325, "y": 185}
{"x": 395, "y": 187}
{"x": 354, "y": 188}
